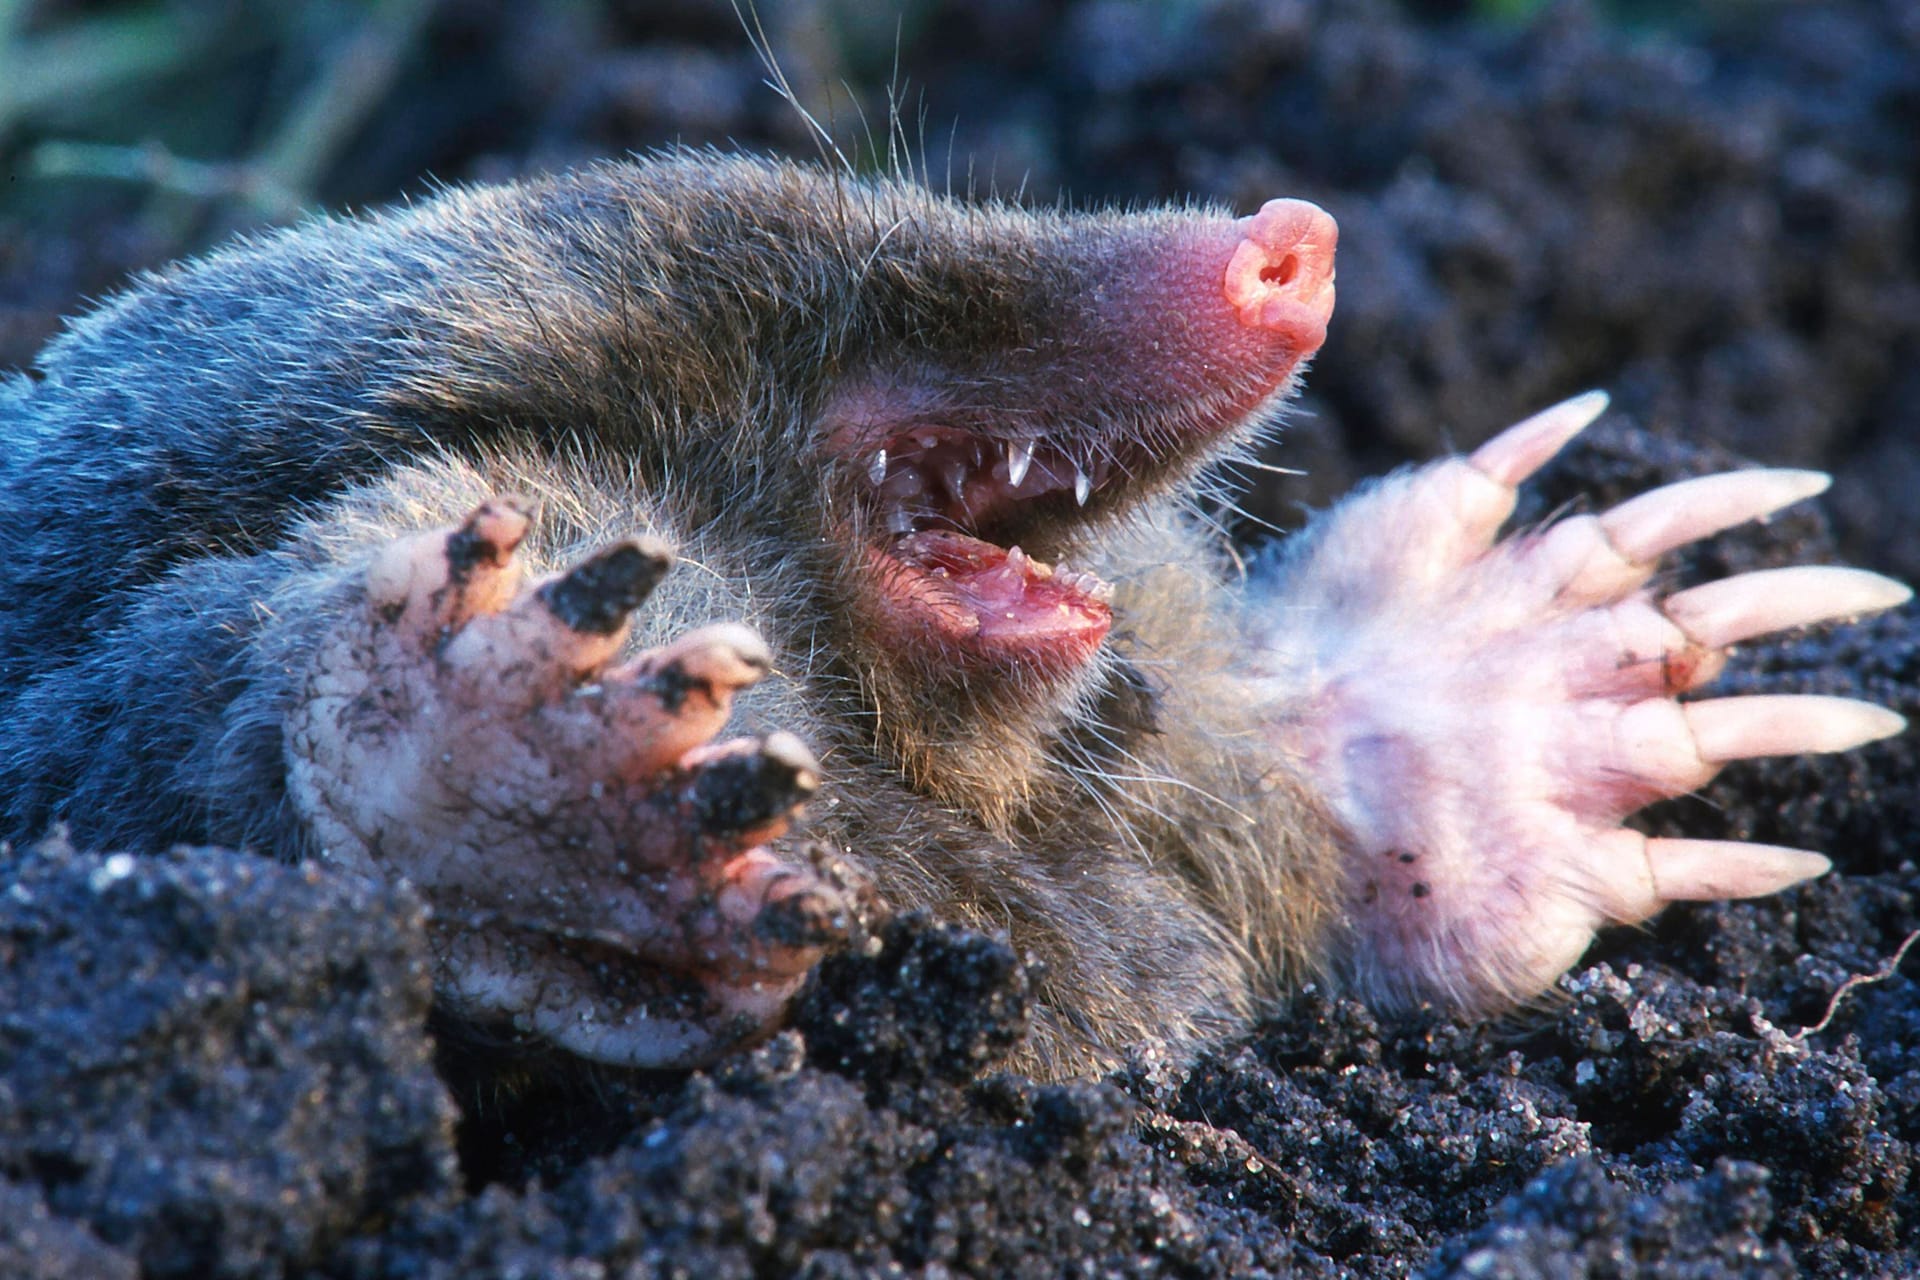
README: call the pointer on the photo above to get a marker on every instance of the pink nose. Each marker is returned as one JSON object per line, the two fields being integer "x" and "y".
{"x": 1280, "y": 278}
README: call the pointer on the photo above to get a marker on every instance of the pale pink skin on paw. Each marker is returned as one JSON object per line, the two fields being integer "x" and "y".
{"x": 1480, "y": 715}
{"x": 596, "y": 866}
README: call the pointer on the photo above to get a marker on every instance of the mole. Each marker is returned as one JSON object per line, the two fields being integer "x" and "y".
{"x": 552, "y": 546}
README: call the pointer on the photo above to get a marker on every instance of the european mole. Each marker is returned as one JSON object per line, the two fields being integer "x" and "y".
{"x": 334, "y": 544}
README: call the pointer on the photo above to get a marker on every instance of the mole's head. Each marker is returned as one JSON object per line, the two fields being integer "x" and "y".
{"x": 1029, "y": 377}
{"x": 943, "y": 397}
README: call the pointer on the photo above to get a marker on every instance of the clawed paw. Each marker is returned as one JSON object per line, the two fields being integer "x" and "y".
{"x": 1482, "y": 715}
{"x": 597, "y": 867}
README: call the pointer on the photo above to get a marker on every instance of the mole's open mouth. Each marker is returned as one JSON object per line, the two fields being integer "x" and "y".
{"x": 947, "y": 509}
{"x": 1182, "y": 332}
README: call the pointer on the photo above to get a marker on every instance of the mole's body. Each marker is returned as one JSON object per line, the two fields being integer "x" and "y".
{"x": 260, "y": 584}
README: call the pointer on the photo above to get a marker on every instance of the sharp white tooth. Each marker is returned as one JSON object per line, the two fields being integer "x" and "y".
{"x": 1019, "y": 458}
{"x": 906, "y": 482}
{"x": 1082, "y": 486}
{"x": 899, "y": 521}
{"x": 955, "y": 472}
{"x": 1087, "y": 584}
{"x": 877, "y": 467}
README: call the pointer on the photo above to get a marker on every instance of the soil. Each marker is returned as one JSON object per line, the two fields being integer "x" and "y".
{"x": 215, "y": 1066}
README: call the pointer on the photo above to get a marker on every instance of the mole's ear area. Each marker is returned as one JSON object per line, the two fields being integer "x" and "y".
{"x": 1481, "y": 714}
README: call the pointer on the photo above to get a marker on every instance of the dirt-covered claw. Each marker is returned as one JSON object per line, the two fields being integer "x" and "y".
{"x": 648, "y": 714}
{"x": 598, "y": 596}
{"x": 712, "y": 661}
{"x": 1481, "y": 716}
{"x": 433, "y": 581}
{"x": 554, "y": 635}
{"x": 747, "y": 792}
{"x": 788, "y": 916}
{"x": 598, "y": 872}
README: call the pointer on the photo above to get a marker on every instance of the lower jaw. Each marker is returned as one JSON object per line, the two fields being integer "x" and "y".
{"x": 968, "y": 606}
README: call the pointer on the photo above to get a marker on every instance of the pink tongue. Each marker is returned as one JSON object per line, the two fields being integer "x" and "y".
{"x": 987, "y": 601}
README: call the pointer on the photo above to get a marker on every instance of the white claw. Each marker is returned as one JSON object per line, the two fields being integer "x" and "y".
{"x": 877, "y": 467}
{"x": 1082, "y": 486}
{"x": 1726, "y": 612}
{"x": 1708, "y": 870}
{"x": 1525, "y": 447}
{"x": 1019, "y": 458}
{"x": 1785, "y": 725}
{"x": 1644, "y": 528}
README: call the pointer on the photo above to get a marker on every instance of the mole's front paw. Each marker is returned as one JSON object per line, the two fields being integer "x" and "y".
{"x": 1480, "y": 716}
{"x": 597, "y": 871}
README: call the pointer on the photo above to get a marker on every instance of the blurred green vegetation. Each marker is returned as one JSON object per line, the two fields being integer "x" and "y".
{"x": 254, "y": 102}
{"x": 243, "y": 105}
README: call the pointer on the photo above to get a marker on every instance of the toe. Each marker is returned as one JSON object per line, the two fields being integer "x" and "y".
{"x": 699, "y": 673}
{"x": 1634, "y": 877}
{"x": 1581, "y": 564}
{"x": 1785, "y": 725}
{"x": 434, "y": 581}
{"x": 712, "y": 662}
{"x": 1645, "y": 528}
{"x": 748, "y": 791}
{"x": 598, "y": 595}
{"x": 648, "y": 714}
{"x": 1595, "y": 560}
{"x": 1637, "y": 647}
{"x": 1522, "y": 449}
{"x": 1628, "y": 651}
{"x": 558, "y": 633}
{"x": 784, "y": 916}
{"x": 1708, "y": 870}
{"x": 1661, "y": 748}
{"x": 1730, "y": 610}
{"x": 1483, "y": 487}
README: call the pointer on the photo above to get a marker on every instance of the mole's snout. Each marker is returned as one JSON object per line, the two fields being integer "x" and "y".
{"x": 1280, "y": 277}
